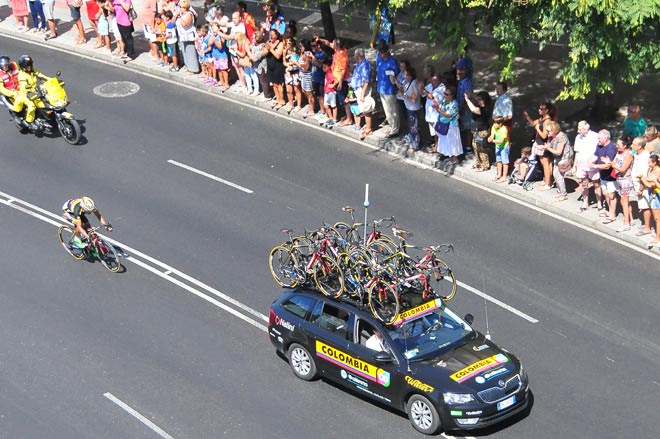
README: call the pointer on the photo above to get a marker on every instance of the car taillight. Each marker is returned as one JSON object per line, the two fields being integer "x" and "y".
{"x": 271, "y": 317}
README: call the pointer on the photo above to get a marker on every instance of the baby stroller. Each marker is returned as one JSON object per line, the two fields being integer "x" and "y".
{"x": 533, "y": 173}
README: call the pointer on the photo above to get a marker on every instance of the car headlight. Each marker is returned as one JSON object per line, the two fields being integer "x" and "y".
{"x": 457, "y": 398}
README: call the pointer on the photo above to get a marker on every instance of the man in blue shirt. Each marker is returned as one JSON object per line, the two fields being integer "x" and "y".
{"x": 387, "y": 70}
{"x": 360, "y": 83}
{"x": 605, "y": 152}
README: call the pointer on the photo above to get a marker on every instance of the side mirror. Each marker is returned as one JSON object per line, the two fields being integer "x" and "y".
{"x": 58, "y": 73}
{"x": 469, "y": 318}
{"x": 383, "y": 357}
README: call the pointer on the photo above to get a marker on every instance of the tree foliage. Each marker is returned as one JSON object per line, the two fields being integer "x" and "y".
{"x": 606, "y": 41}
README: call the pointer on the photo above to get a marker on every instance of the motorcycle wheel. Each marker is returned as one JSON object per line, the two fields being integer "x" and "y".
{"x": 70, "y": 130}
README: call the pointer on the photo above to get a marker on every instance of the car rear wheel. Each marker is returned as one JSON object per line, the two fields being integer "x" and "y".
{"x": 423, "y": 415}
{"x": 302, "y": 363}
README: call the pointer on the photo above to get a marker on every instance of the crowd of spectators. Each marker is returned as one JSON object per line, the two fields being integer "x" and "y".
{"x": 313, "y": 76}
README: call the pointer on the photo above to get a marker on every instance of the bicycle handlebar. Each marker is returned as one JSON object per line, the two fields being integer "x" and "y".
{"x": 441, "y": 247}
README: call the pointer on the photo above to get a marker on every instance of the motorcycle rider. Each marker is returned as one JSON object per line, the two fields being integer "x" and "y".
{"x": 75, "y": 210}
{"x": 27, "y": 78}
{"x": 10, "y": 87}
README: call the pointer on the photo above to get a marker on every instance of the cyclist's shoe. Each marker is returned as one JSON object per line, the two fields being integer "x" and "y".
{"x": 77, "y": 242}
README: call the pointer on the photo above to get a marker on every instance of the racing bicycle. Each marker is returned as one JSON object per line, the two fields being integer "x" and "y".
{"x": 96, "y": 247}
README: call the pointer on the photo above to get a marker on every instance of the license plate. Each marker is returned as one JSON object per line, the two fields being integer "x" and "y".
{"x": 506, "y": 403}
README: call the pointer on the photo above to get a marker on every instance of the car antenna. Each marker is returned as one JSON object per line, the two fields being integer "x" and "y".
{"x": 486, "y": 309}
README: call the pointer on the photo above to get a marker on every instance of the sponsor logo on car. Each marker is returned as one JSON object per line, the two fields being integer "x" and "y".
{"x": 480, "y": 348}
{"x": 417, "y": 311}
{"x": 284, "y": 323}
{"x": 479, "y": 367}
{"x": 417, "y": 384}
{"x": 490, "y": 375}
{"x": 352, "y": 364}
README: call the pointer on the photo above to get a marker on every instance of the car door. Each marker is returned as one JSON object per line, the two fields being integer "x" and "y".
{"x": 329, "y": 329}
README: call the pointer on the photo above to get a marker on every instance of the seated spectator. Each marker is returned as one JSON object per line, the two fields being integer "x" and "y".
{"x": 585, "y": 145}
{"x": 500, "y": 137}
{"x": 521, "y": 165}
{"x": 634, "y": 125}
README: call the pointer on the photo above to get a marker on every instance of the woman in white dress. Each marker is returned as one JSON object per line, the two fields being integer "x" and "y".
{"x": 449, "y": 144}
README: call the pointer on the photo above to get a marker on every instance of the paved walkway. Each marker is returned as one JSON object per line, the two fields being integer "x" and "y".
{"x": 143, "y": 63}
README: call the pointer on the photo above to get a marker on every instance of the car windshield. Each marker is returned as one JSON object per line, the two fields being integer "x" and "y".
{"x": 431, "y": 334}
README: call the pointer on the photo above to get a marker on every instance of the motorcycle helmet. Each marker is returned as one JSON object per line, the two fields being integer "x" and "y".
{"x": 25, "y": 62}
{"x": 87, "y": 204}
{"x": 5, "y": 62}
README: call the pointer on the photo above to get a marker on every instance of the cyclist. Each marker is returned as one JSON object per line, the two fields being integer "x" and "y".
{"x": 27, "y": 78}
{"x": 10, "y": 87}
{"x": 76, "y": 211}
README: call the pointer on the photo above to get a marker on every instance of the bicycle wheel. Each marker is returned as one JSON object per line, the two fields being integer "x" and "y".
{"x": 384, "y": 302}
{"x": 284, "y": 267}
{"x": 380, "y": 250}
{"x": 328, "y": 277}
{"x": 107, "y": 255}
{"x": 66, "y": 234}
{"x": 439, "y": 270}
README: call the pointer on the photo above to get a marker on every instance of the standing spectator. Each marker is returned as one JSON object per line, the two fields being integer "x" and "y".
{"x": 292, "y": 74}
{"x": 652, "y": 140}
{"x": 318, "y": 77}
{"x": 499, "y": 136}
{"x": 125, "y": 26}
{"x": 640, "y": 169}
{"x": 449, "y": 145}
{"x": 220, "y": 57}
{"x": 480, "y": 120}
{"x": 171, "y": 40}
{"x": 547, "y": 114}
{"x": 560, "y": 147}
{"x": 605, "y": 153}
{"x": 248, "y": 20}
{"x": 585, "y": 145}
{"x": 247, "y": 61}
{"x": 237, "y": 27}
{"x": 103, "y": 25}
{"x": 434, "y": 93}
{"x": 306, "y": 82}
{"x": 48, "y": 7}
{"x": 92, "y": 12}
{"x": 652, "y": 184}
{"x": 503, "y": 105}
{"x": 622, "y": 169}
{"x": 330, "y": 94}
{"x": 274, "y": 52}
{"x": 464, "y": 78}
{"x": 38, "y": 18}
{"x": 360, "y": 82}
{"x": 340, "y": 70}
{"x": 260, "y": 64}
{"x": 413, "y": 103}
{"x": 185, "y": 26}
{"x": 158, "y": 32}
{"x": 19, "y": 10}
{"x": 634, "y": 125}
{"x": 387, "y": 70}
{"x": 77, "y": 21}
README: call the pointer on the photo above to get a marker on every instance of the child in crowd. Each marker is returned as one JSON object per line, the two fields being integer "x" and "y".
{"x": 329, "y": 94}
{"x": 521, "y": 166}
{"x": 158, "y": 31}
{"x": 171, "y": 40}
{"x": 220, "y": 57}
{"x": 103, "y": 26}
{"x": 292, "y": 74}
{"x": 306, "y": 79}
{"x": 204, "y": 54}
{"x": 499, "y": 136}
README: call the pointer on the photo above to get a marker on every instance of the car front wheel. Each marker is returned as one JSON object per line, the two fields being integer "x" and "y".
{"x": 423, "y": 415}
{"x": 302, "y": 363}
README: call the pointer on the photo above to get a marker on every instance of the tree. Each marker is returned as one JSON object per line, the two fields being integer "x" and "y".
{"x": 606, "y": 41}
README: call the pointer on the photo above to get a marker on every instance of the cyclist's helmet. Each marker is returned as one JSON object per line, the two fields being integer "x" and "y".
{"x": 25, "y": 62}
{"x": 5, "y": 62}
{"x": 87, "y": 204}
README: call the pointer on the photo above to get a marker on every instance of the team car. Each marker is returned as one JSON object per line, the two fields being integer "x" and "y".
{"x": 429, "y": 363}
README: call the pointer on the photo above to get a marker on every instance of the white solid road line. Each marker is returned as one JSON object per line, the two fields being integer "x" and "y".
{"x": 211, "y": 176}
{"x": 168, "y": 272}
{"x": 138, "y": 416}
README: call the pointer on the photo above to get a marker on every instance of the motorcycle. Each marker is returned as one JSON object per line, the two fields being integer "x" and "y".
{"x": 51, "y": 100}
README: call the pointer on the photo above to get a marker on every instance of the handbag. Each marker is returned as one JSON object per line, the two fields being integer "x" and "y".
{"x": 132, "y": 14}
{"x": 614, "y": 173}
{"x": 442, "y": 128}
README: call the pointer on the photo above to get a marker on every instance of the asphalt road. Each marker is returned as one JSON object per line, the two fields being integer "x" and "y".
{"x": 581, "y": 310}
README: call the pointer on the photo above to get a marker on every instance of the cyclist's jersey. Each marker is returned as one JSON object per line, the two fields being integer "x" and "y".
{"x": 75, "y": 211}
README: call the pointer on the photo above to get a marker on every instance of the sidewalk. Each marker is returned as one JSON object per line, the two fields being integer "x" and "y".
{"x": 143, "y": 63}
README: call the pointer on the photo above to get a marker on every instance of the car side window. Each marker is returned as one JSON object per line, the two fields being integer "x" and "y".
{"x": 299, "y": 305}
{"x": 371, "y": 338}
{"x": 331, "y": 319}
